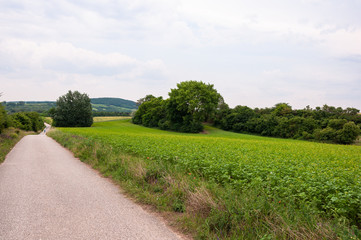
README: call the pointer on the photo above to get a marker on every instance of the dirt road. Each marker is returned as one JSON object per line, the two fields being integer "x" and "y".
{"x": 45, "y": 193}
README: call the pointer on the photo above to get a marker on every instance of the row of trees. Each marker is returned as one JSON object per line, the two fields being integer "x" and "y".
{"x": 188, "y": 105}
{"x": 322, "y": 124}
{"x": 192, "y": 103}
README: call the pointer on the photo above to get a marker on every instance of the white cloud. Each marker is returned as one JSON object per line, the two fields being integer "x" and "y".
{"x": 255, "y": 52}
{"x": 21, "y": 55}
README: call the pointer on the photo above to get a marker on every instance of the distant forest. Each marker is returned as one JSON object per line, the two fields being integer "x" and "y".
{"x": 101, "y": 106}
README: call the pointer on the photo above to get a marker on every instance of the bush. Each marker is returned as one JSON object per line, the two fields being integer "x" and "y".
{"x": 348, "y": 134}
{"x": 36, "y": 121}
{"x": 326, "y": 134}
{"x": 164, "y": 124}
{"x": 337, "y": 124}
{"x": 22, "y": 121}
{"x": 28, "y": 121}
{"x": 13, "y": 135}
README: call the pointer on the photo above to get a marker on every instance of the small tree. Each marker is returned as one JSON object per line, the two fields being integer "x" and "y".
{"x": 73, "y": 110}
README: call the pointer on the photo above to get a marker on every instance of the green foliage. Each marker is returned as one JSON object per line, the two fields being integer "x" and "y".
{"x": 261, "y": 178}
{"x": 28, "y": 121}
{"x": 22, "y": 121}
{"x": 3, "y": 118}
{"x": 37, "y": 122}
{"x": 337, "y": 124}
{"x": 322, "y": 124}
{"x": 188, "y": 105}
{"x": 8, "y": 138}
{"x": 150, "y": 112}
{"x": 349, "y": 132}
{"x": 195, "y": 98}
{"x": 282, "y": 109}
{"x": 73, "y": 110}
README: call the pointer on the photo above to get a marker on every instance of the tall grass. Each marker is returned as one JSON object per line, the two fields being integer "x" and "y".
{"x": 8, "y": 139}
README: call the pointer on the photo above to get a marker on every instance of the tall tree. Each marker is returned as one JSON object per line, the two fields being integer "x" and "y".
{"x": 73, "y": 110}
{"x": 195, "y": 98}
{"x": 186, "y": 108}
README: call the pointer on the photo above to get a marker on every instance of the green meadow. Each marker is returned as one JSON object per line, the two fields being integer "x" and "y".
{"x": 230, "y": 186}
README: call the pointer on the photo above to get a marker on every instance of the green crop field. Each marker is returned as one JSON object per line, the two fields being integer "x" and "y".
{"x": 324, "y": 177}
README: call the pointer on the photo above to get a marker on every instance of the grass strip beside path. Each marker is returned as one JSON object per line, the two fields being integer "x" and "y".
{"x": 8, "y": 139}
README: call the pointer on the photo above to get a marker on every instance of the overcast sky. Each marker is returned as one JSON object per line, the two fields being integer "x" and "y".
{"x": 256, "y": 53}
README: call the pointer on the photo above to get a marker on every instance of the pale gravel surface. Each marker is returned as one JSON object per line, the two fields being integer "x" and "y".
{"x": 45, "y": 193}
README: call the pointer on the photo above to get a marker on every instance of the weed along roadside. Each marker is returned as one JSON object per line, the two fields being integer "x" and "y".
{"x": 8, "y": 139}
{"x": 223, "y": 185}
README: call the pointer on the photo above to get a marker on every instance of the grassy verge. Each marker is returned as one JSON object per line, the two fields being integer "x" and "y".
{"x": 8, "y": 139}
{"x": 48, "y": 120}
{"x": 202, "y": 208}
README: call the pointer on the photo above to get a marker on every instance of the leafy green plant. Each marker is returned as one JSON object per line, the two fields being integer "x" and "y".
{"x": 261, "y": 183}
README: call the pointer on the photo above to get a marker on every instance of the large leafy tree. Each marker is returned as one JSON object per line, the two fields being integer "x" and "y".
{"x": 196, "y": 99}
{"x": 73, "y": 110}
{"x": 186, "y": 108}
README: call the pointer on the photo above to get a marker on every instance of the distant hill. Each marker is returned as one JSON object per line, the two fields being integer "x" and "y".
{"x": 113, "y": 105}
{"x": 116, "y": 105}
{"x": 31, "y": 106}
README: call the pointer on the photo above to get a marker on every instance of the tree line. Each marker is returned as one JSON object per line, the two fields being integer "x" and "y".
{"x": 193, "y": 102}
{"x": 327, "y": 123}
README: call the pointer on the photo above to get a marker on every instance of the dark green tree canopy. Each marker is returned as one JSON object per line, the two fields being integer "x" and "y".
{"x": 186, "y": 108}
{"x": 73, "y": 110}
{"x": 195, "y": 98}
{"x": 326, "y": 124}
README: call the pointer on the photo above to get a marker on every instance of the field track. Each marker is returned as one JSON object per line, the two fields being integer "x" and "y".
{"x": 48, "y": 194}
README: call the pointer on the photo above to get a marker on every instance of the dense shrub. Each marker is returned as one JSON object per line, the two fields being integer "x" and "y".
{"x": 349, "y": 133}
{"x": 337, "y": 124}
{"x": 28, "y": 121}
{"x": 150, "y": 112}
{"x": 21, "y": 121}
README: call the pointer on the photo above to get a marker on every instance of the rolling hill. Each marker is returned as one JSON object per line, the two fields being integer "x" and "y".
{"x": 99, "y": 105}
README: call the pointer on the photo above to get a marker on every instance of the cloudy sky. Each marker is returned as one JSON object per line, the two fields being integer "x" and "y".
{"x": 256, "y": 53}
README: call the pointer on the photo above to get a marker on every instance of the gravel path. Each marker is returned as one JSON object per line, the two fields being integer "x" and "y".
{"x": 45, "y": 193}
